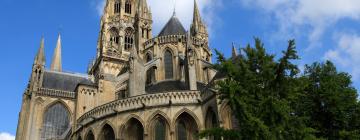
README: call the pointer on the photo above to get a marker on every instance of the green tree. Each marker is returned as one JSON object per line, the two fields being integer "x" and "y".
{"x": 329, "y": 101}
{"x": 260, "y": 90}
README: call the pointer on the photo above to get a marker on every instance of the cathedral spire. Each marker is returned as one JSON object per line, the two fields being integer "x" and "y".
{"x": 234, "y": 51}
{"x": 196, "y": 17}
{"x": 40, "y": 56}
{"x": 56, "y": 61}
{"x": 197, "y": 25}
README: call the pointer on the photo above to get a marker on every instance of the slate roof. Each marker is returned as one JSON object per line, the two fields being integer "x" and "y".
{"x": 173, "y": 27}
{"x": 64, "y": 81}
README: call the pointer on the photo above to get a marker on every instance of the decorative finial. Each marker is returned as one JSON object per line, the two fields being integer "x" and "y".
{"x": 174, "y": 12}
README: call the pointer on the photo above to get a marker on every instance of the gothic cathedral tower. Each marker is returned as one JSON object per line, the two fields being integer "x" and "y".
{"x": 125, "y": 26}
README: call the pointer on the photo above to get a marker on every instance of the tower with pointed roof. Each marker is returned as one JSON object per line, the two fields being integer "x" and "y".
{"x": 56, "y": 61}
{"x": 139, "y": 86}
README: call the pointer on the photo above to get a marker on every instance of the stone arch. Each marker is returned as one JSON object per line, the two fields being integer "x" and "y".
{"x": 133, "y": 129}
{"x": 226, "y": 116}
{"x": 107, "y": 131}
{"x": 90, "y": 134}
{"x": 56, "y": 102}
{"x": 170, "y": 48}
{"x": 192, "y": 114}
{"x": 211, "y": 120}
{"x": 186, "y": 124}
{"x": 151, "y": 124}
{"x": 149, "y": 56}
{"x": 122, "y": 127}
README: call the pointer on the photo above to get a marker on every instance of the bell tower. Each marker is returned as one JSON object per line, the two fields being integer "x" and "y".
{"x": 125, "y": 25}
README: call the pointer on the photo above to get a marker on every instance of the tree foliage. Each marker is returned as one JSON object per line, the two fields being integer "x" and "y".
{"x": 272, "y": 100}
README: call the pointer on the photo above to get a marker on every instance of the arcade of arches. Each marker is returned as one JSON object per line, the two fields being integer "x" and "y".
{"x": 185, "y": 128}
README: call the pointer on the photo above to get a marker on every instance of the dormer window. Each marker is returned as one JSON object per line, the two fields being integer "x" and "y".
{"x": 128, "y": 7}
{"x": 117, "y": 7}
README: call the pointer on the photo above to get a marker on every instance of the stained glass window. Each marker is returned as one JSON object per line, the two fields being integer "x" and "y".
{"x": 168, "y": 65}
{"x": 56, "y": 123}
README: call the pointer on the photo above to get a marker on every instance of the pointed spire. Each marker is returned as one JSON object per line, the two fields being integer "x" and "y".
{"x": 56, "y": 61}
{"x": 234, "y": 51}
{"x": 40, "y": 56}
{"x": 174, "y": 12}
{"x": 196, "y": 17}
{"x": 197, "y": 24}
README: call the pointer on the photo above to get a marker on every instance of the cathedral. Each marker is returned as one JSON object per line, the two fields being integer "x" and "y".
{"x": 140, "y": 86}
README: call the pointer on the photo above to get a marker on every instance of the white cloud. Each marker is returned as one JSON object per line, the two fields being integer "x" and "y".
{"x": 6, "y": 136}
{"x": 317, "y": 16}
{"x": 347, "y": 53}
{"x": 162, "y": 10}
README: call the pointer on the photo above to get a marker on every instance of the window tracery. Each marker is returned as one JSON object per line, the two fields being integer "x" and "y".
{"x": 56, "y": 122}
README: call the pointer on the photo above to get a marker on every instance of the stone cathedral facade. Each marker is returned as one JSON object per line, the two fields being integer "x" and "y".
{"x": 139, "y": 87}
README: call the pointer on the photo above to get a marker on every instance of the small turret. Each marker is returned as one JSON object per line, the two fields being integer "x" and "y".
{"x": 56, "y": 61}
{"x": 38, "y": 68}
{"x": 40, "y": 56}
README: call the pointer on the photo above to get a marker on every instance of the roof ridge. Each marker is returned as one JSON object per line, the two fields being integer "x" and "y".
{"x": 82, "y": 75}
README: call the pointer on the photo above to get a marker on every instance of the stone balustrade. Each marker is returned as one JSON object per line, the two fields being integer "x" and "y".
{"x": 142, "y": 101}
{"x": 171, "y": 39}
{"x": 55, "y": 93}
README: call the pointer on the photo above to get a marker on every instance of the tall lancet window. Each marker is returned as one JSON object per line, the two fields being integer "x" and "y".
{"x": 117, "y": 7}
{"x": 160, "y": 130}
{"x": 168, "y": 60}
{"x": 128, "y": 7}
{"x": 56, "y": 122}
{"x": 129, "y": 39}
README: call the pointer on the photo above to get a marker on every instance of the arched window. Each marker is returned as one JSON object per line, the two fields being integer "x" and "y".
{"x": 160, "y": 130}
{"x": 148, "y": 57}
{"x": 168, "y": 59}
{"x": 150, "y": 76}
{"x": 117, "y": 7}
{"x": 107, "y": 133}
{"x": 134, "y": 130}
{"x": 181, "y": 130}
{"x": 129, "y": 39}
{"x": 211, "y": 121}
{"x": 114, "y": 35}
{"x": 90, "y": 136}
{"x": 186, "y": 127}
{"x": 56, "y": 122}
{"x": 128, "y": 7}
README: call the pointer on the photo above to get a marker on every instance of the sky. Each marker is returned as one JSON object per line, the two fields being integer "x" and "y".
{"x": 323, "y": 30}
